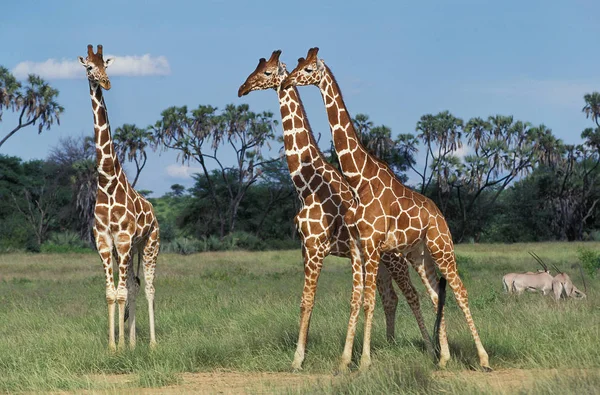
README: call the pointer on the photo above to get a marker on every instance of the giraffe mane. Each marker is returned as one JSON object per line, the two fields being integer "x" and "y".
{"x": 359, "y": 142}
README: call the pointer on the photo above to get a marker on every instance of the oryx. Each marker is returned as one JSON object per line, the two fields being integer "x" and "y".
{"x": 540, "y": 281}
{"x": 562, "y": 286}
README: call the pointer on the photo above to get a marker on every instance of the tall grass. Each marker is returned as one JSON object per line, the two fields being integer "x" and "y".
{"x": 239, "y": 311}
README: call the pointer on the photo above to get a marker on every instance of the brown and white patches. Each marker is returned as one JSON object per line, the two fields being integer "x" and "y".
{"x": 122, "y": 216}
{"x": 389, "y": 216}
{"x": 325, "y": 198}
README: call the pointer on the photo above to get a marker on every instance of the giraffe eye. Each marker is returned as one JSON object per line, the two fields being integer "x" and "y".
{"x": 268, "y": 73}
{"x": 308, "y": 69}
{"x": 88, "y": 68}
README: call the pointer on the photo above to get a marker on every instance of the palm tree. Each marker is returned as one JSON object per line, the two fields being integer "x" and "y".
{"x": 131, "y": 143}
{"x": 36, "y": 103}
{"x": 9, "y": 87}
{"x": 592, "y": 106}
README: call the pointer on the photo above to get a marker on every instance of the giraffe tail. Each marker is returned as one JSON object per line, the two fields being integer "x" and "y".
{"x": 438, "y": 318}
{"x": 137, "y": 280}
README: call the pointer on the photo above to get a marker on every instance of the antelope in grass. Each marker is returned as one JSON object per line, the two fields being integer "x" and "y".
{"x": 562, "y": 286}
{"x": 540, "y": 281}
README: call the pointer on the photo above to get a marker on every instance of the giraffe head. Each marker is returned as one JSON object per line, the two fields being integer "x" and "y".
{"x": 95, "y": 66}
{"x": 310, "y": 71}
{"x": 268, "y": 74}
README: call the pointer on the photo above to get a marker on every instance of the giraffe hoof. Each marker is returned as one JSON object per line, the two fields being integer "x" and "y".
{"x": 487, "y": 369}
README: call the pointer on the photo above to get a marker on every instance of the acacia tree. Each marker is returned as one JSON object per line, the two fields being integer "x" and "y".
{"x": 34, "y": 103}
{"x": 203, "y": 135}
{"x": 131, "y": 143}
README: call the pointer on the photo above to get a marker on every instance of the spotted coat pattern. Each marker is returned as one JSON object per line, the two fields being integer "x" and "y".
{"x": 124, "y": 220}
{"x": 389, "y": 216}
{"x": 325, "y": 197}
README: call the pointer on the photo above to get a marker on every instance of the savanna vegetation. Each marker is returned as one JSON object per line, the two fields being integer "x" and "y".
{"x": 231, "y": 311}
{"x": 487, "y": 174}
{"x": 497, "y": 180}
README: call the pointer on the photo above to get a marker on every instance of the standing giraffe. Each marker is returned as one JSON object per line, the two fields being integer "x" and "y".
{"x": 124, "y": 221}
{"x": 325, "y": 197}
{"x": 389, "y": 216}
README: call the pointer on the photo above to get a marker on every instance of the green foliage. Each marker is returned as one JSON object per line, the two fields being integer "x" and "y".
{"x": 590, "y": 260}
{"x": 65, "y": 242}
{"x": 35, "y": 101}
{"x": 182, "y": 245}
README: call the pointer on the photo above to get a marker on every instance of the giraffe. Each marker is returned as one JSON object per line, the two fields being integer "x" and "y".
{"x": 325, "y": 197}
{"x": 388, "y": 217}
{"x": 124, "y": 221}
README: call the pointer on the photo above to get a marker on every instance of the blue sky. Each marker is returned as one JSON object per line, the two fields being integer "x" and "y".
{"x": 394, "y": 61}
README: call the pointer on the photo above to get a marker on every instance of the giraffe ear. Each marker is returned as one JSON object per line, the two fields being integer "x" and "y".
{"x": 108, "y": 62}
{"x": 320, "y": 65}
{"x": 281, "y": 68}
{"x": 82, "y": 61}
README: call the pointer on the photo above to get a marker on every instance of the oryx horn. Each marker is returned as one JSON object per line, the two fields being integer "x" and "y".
{"x": 539, "y": 260}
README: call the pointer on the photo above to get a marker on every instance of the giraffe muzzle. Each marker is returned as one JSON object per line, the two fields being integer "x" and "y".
{"x": 243, "y": 91}
{"x": 105, "y": 83}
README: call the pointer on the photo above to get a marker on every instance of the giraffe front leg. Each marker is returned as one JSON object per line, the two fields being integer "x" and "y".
{"x": 389, "y": 298}
{"x": 150, "y": 257}
{"x": 313, "y": 262}
{"x": 371, "y": 256}
{"x": 355, "y": 303}
{"x": 123, "y": 247}
{"x": 105, "y": 247}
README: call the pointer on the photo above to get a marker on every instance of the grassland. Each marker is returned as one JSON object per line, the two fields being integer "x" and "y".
{"x": 237, "y": 313}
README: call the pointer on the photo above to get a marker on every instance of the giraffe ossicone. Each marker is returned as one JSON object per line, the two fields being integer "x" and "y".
{"x": 389, "y": 216}
{"x": 124, "y": 221}
{"x": 325, "y": 198}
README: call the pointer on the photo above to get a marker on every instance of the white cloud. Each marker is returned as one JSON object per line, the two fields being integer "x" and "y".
{"x": 182, "y": 171}
{"x": 130, "y": 65}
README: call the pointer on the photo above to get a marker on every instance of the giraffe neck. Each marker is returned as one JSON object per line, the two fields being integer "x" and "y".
{"x": 106, "y": 159}
{"x": 354, "y": 158}
{"x": 301, "y": 150}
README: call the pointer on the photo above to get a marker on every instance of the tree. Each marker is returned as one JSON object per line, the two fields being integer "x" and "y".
{"x": 378, "y": 141}
{"x": 177, "y": 190}
{"x": 592, "y": 106}
{"x": 76, "y": 159}
{"x": 34, "y": 103}
{"x": 131, "y": 143}
{"x": 441, "y": 136}
{"x": 203, "y": 134}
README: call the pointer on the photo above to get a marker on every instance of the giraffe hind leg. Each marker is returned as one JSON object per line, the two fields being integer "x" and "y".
{"x": 150, "y": 253}
{"x": 425, "y": 268}
{"x": 389, "y": 298}
{"x": 399, "y": 270}
{"x": 446, "y": 261}
{"x": 133, "y": 286}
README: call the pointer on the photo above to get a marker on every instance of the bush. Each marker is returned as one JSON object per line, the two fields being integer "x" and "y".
{"x": 61, "y": 242}
{"x": 182, "y": 245}
{"x": 590, "y": 261}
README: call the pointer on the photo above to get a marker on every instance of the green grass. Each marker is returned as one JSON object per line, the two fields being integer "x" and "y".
{"x": 239, "y": 311}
